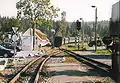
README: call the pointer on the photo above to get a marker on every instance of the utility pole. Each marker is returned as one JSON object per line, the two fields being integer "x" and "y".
{"x": 95, "y": 26}
{"x": 34, "y": 36}
{"x": 82, "y": 32}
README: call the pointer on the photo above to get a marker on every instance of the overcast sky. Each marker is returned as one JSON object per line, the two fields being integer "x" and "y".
{"x": 75, "y": 9}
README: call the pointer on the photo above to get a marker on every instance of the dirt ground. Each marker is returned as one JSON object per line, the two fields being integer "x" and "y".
{"x": 74, "y": 73}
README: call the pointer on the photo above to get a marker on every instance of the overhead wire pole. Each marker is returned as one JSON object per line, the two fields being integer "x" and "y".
{"x": 95, "y": 26}
{"x": 82, "y": 25}
{"x": 34, "y": 37}
{"x": 96, "y": 29}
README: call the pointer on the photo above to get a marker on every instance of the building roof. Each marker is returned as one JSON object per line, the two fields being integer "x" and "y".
{"x": 38, "y": 34}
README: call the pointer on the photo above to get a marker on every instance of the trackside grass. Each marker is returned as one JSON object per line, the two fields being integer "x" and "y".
{"x": 104, "y": 52}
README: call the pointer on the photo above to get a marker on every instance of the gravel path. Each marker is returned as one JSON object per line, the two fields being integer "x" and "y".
{"x": 12, "y": 68}
{"x": 59, "y": 72}
{"x": 98, "y": 57}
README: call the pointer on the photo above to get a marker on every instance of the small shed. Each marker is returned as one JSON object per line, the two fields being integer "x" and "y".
{"x": 40, "y": 39}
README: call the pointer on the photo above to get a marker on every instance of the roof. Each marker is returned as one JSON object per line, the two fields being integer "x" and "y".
{"x": 38, "y": 34}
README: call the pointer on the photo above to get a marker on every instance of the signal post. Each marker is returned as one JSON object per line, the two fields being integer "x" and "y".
{"x": 78, "y": 25}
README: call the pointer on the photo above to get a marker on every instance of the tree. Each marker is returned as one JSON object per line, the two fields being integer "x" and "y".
{"x": 38, "y": 11}
{"x": 6, "y": 25}
{"x": 73, "y": 30}
{"x": 63, "y": 24}
{"x": 25, "y": 24}
{"x": 56, "y": 26}
{"x": 63, "y": 27}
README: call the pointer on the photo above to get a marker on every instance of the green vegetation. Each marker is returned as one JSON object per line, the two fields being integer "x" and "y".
{"x": 74, "y": 47}
{"x": 40, "y": 14}
{"x": 103, "y": 52}
{"x": 37, "y": 11}
{"x": 102, "y": 29}
{"x": 6, "y": 25}
{"x": 69, "y": 59}
{"x": 70, "y": 47}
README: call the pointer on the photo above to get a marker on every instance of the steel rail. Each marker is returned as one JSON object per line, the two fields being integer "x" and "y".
{"x": 26, "y": 67}
{"x": 40, "y": 67}
{"x": 36, "y": 79}
{"x": 88, "y": 61}
{"x": 16, "y": 77}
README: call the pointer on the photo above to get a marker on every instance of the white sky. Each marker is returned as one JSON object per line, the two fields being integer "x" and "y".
{"x": 75, "y": 9}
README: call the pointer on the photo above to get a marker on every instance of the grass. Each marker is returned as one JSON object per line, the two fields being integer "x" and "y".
{"x": 74, "y": 47}
{"x": 69, "y": 59}
{"x": 103, "y": 52}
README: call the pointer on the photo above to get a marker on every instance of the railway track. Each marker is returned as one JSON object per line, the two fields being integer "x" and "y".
{"x": 32, "y": 70}
{"x": 95, "y": 64}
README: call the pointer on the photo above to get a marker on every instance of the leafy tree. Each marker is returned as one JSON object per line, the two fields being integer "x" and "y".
{"x": 68, "y": 30}
{"x": 38, "y": 11}
{"x": 102, "y": 29}
{"x": 25, "y": 24}
{"x": 63, "y": 24}
{"x": 56, "y": 26}
{"x": 13, "y": 22}
{"x": 73, "y": 30}
{"x": 6, "y": 25}
{"x": 63, "y": 27}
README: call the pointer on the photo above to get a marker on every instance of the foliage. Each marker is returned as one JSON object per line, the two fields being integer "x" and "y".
{"x": 103, "y": 28}
{"x": 88, "y": 27}
{"x": 6, "y": 25}
{"x": 73, "y": 29}
{"x": 63, "y": 27}
{"x": 25, "y": 24}
{"x": 56, "y": 26}
{"x": 14, "y": 22}
{"x": 74, "y": 47}
{"x": 103, "y": 52}
{"x": 39, "y": 12}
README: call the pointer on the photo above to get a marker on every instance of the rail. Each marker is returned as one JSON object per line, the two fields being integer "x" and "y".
{"x": 96, "y": 64}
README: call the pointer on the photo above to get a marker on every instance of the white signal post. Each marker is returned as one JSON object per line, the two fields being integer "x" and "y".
{"x": 15, "y": 38}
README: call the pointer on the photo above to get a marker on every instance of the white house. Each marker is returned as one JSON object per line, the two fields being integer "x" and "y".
{"x": 27, "y": 39}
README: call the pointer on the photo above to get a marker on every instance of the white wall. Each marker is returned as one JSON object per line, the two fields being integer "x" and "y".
{"x": 27, "y": 43}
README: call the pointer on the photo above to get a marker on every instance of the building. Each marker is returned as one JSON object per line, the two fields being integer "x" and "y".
{"x": 27, "y": 39}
